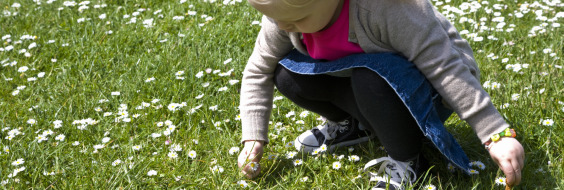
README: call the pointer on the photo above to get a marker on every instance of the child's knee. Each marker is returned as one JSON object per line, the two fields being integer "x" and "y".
{"x": 364, "y": 79}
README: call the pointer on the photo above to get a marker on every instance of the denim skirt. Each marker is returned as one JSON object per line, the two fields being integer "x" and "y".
{"x": 422, "y": 100}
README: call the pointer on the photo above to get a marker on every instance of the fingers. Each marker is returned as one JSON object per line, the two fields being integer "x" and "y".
{"x": 517, "y": 173}
{"x": 510, "y": 157}
{"x": 521, "y": 164}
{"x": 521, "y": 158}
{"x": 242, "y": 157}
{"x": 252, "y": 167}
{"x": 518, "y": 163}
{"x": 512, "y": 171}
{"x": 243, "y": 164}
{"x": 510, "y": 174}
{"x": 249, "y": 160}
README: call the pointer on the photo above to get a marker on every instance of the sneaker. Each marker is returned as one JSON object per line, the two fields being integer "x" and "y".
{"x": 333, "y": 134}
{"x": 393, "y": 174}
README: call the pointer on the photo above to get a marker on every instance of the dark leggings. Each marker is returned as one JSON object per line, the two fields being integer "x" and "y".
{"x": 364, "y": 96}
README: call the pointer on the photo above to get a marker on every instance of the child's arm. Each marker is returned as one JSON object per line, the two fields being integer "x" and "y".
{"x": 257, "y": 88}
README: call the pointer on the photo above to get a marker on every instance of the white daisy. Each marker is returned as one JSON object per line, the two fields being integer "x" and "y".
{"x": 233, "y": 150}
{"x": 254, "y": 165}
{"x": 291, "y": 155}
{"x": 23, "y": 69}
{"x": 430, "y": 187}
{"x": 354, "y": 158}
{"x": 176, "y": 148}
{"x": 116, "y": 162}
{"x": 192, "y": 154}
{"x": 337, "y": 165}
{"x": 152, "y": 173}
{"x": 242, "y": 184}
{"x": 323, "y": 148}
{"x": 18, "y": 162}
{"x": 60, "y": 137}
{"x": 500, "y": 181}
{"x": 217, "y": 169}
{"x": 136, "y": 147}
{"x": 173, "y": 155}
{"x": 547, "y": 122}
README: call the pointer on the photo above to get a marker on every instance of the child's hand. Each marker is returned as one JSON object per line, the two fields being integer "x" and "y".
{"x": 250, "y": 157}
{"x": 509, "y": 156}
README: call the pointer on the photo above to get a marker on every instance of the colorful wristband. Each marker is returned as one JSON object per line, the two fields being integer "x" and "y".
{"x": 508, "y": 132}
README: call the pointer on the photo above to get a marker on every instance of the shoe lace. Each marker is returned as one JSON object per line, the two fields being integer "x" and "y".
{"x": 331, "y": 127}
{"x": 394, "y": 172}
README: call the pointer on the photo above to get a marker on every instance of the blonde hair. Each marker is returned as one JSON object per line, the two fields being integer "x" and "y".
{"x": 291, "y": 3}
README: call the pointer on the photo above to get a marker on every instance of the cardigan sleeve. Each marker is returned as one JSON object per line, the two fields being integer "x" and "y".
{"x": 257, "y": 86}
{"x": 421, "y": 34}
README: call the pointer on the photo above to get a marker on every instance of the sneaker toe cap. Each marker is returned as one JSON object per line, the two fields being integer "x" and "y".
{"x": 307, "y": 141}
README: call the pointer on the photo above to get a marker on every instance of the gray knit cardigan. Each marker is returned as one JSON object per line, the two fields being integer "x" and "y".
{"x": 411, "y": 28}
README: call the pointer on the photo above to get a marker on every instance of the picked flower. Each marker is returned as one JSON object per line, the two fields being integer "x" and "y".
{"x": 254, "y": 165}
{"x": 500, "y": 181}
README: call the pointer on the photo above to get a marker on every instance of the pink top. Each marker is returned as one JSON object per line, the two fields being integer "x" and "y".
{"x": 332, "y": 43}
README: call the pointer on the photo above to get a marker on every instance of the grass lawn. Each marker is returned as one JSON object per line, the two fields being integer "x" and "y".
{"x": 131, "y": 94}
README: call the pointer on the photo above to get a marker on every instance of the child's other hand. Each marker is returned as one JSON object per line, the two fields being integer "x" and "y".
{"x": 250, "y": 157}
{"x": 509, "y": 156}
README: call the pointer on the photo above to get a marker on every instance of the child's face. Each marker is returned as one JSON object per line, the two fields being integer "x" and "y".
{"x": 311, "y": 18}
